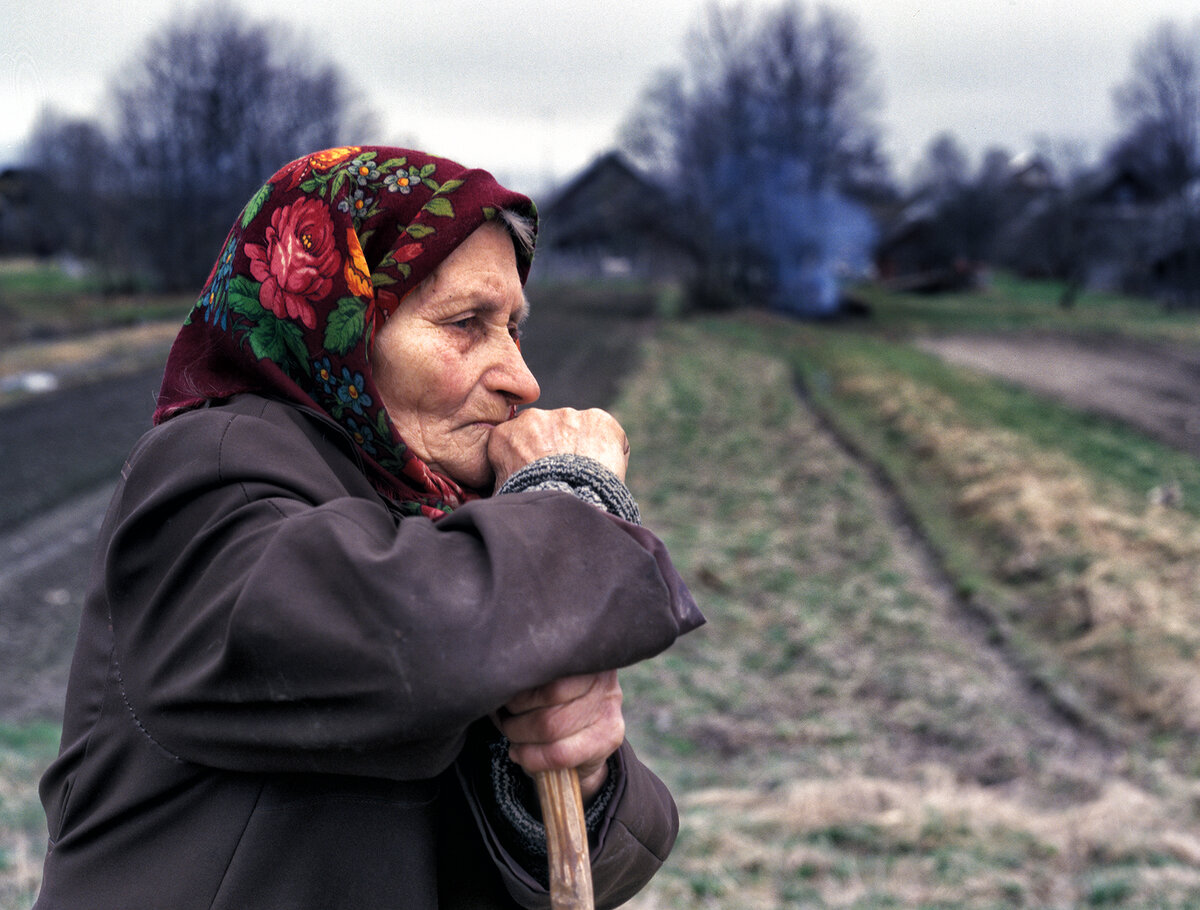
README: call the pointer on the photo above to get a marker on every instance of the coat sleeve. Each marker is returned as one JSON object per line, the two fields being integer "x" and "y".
{"x": 266, "y": 617}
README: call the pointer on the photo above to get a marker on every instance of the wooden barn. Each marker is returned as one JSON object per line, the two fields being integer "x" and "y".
{"x": 608, "y": 221}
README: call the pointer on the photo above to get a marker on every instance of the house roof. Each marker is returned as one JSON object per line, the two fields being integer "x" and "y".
{"x": 607, "y": 199}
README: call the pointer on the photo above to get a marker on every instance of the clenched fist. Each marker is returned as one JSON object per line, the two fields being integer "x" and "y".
{"x": 535, "y": 433}
{"x": 575, "y": 722}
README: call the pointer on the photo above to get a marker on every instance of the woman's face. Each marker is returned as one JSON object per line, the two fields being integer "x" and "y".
{"x": 447, "y": 361}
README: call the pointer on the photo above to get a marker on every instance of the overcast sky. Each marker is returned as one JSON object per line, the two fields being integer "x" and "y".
{"x": 534, "y": 89}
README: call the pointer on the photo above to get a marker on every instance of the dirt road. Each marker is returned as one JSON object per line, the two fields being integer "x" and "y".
{"x": 1153, "y": 387}
{"x": 60, "y": 453}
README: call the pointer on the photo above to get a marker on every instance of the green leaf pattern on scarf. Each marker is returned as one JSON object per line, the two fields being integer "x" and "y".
{"x": 347, "y": 324}
{"x": 440, "y": 205}
{"x": 242, "y": 298}
{"x": 280, "y": 340}
{"x": 254, "y": 206}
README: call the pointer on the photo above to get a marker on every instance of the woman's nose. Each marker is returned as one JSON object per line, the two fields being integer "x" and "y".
{"x": 512, "y": 376}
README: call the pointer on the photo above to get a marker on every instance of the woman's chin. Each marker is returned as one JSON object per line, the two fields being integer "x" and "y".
{"x": 471, "y": 475}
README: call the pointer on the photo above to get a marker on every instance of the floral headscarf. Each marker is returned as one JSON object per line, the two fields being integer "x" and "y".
{"x": 318, "y": 258}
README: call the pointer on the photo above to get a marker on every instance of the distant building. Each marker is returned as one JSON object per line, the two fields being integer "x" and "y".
{"x": 15, "y": 212}
{"x": 1150, "y": 238}
{"x": 915, "y": 255}
{"x": 608, "y": 221}
{"x": 946, "y": 237}
{"x": 1118, "y": 189}
{"x": 1031, "y": 174}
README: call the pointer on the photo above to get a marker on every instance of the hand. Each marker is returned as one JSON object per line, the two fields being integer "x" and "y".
{"x": 575, "y": 722}
{"x": 535, "y": 433}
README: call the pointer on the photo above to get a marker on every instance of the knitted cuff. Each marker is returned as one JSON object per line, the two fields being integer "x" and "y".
{"x": 516, "y": 798}
{"x": 582, "y": 477}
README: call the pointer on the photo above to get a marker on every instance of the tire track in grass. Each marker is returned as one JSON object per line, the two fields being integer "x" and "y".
{"x": 1054, "y": 701}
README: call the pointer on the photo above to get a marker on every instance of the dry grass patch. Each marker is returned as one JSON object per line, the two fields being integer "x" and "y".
{"x": 934, "y": 842}
{"x": 1110, "y": 580}
{"x": 137, "y": 342}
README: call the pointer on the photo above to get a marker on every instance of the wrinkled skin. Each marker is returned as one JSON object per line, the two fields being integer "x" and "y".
{"x": 449, "y": 367}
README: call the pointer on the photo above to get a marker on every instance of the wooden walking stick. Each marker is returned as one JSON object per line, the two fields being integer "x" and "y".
{"x": 566, "y": 839}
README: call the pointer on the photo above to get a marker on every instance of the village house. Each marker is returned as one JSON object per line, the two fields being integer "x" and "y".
{"x": 15, "y": 212}
{"x": 608, "y": 221}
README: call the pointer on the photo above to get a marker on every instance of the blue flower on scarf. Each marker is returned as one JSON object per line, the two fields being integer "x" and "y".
{"x": 350, "y": 392}
{"x": 403, "y": 180}
{"x": 363, "y": 169}
{"x": 358, "y": 204}
{"x": 323, "y": 374}
{"x": 215, "y": 299}
{"x": 362, "y": 434}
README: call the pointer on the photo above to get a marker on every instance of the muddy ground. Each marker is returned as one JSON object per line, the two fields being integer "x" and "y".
{"x": 60, "y": 450}
{"x": 1155, "y": 387}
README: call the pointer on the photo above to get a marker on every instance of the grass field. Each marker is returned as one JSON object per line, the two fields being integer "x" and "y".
{"x": 844, "y": 733}
{"x": 1008, "y": 304}
{"x": 951, "y": 656}
{"x": 24, "y": 753}
{"x": 44, "y": 299}
{"x": 840, "y": 734}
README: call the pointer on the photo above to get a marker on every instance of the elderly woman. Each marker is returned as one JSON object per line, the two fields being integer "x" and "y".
{"x": 318, "y": 657}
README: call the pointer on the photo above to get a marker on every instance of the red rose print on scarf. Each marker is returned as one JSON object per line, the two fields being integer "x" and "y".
{"x": 298, "y": 262}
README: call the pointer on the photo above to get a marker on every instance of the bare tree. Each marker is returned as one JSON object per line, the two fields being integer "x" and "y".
{"x": 962, "y": 212}
{"x": 945, "y": 166}
{"x": 212, "y": 106}
{"x": 70, "y": 167}
{"x": 759, "y": 134}
{"x": 1159, "y": 105}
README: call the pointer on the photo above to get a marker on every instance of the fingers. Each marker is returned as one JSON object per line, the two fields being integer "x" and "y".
{"x": 561, "y": 709}
{"x": 535, "y": 433}
{"x": 575, "y": 722}
{"x": 554, "y": 694}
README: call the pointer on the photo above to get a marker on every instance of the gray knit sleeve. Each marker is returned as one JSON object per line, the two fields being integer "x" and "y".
{"x": 516, "y": 797}
{"x": 582, "y": 477}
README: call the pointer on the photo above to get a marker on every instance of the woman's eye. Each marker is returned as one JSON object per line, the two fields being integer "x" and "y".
{"x": 465, "y": 322}
{"x": 514, "y": 330}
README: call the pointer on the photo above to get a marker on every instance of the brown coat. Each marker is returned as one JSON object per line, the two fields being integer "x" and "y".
{"x": 276, "y": 677}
